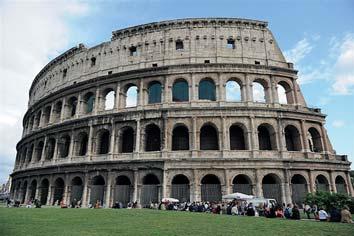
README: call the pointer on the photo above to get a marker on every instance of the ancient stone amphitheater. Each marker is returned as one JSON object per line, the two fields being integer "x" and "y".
{"x": 190, "y": 108}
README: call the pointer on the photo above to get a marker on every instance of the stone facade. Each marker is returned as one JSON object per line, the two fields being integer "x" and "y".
{"x": 78, "y": 142}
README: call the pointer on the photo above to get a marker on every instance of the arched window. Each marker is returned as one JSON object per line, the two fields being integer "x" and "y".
{"x": 72, "y": 105}
{"x": 64, "y": 146}
{"x": 30, "y": 153}
{"x": 207, "y": 90}
{"x": 340, "y": 185}
{"x": 82, "y": 144}
{"x": 180, "y": 91}
{"x": 89, "y": 102}
{"x": 322, "y": 184}
{"x": 285, "y": 93}
{"x": 271, "y": 186}
{"x": 180, "y": 188}
{"x": 314, "y": 139}
{"x": 46, "y": 115}
{"x": 211, "y": 188}
{"x": 127, "y": 140}
{"x": 44, "y": 187}
{"x": 154, "y": 92}
{"x": 39, "y": 150}
{"x": 208, "y": 138}
{"x": 292, "y": 138}
{"x": 57, "y": 111}
{"x": 266, "y": 137}
{"x": 233, "y": 91}
{"x": 152, "y": 138}
{"x": 50, "y": 149}
{"x": 103, "y": 142}
{"x": 109, "y": 99}
{"x": 131, "y": 96}
{"x": 179, "y": 44}
{"x": 258, "y": 92}
{"x": 33, "y": 189}
{"x": 38, "y": 119}
{"x": 237, "y": 139}
{"x": 180, "y": 138}
{"x": 242, "y": 184}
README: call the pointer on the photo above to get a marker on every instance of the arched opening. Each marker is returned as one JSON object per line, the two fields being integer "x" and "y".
{"x": 64, "y": 146}
{"x": 33, "y": 189}
{"x": 38, "y": 119}
{"x": 154, "y": 92}
{"x": 122, "y": 190}
{"x": 57, "y": 111}
{"x": 233, "y": 91}
{"x": 23, "y": 192}
{"x": 292, "y": 138}
{"x": 72, "y": 106}
{"x": 258, "y": 90}
{"x": 180, "y": 188}
{"x": 150, "y": 190}
{"x": 340, "y": 185}
{"x": 89, "y": 102}
{"x": 50, "y": 149}
{"x": 76, "y": 189}
{"x": 152, "y": 138}
{"x": 208, "y": 138}
{"x": 39, "y": 150}
{"x": 207, "y": 90}
{"x": 97, "y": 190}
{"x": 298, "y": 189}
{"x": 314, "y": 139}
{"x": 180, "y": 91}
{"x": 18, "y": 191}
{"x": 237, "y": 138}
{"x": 131, "y": 96}
{"x": 322, "y": 184}
{"x": 266, "y": 137}
{"x": 271, "y": 187}
{"x": 180, "y": 138}
{"x": 179, "y": 44}
{"x": 30, "y": 153}
{"x": 242, "y": 184}
{"x": 44, "y": 187}
{"x": 211, "y": 188}
{"x": 58, "y": 190}
{"x": 127, "y": 140}
{"x": 46, "y": 115}
{"x": 109, "y": 99}
{"x": 82, "y": 144}
{"x": 103, "y": 141}
{"x": 285, "y": 93}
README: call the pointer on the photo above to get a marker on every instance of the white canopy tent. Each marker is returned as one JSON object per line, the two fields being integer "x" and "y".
{"x": 237, "y": 196}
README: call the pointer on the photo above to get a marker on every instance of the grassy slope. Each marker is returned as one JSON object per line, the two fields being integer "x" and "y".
{"x": 51, "y": 221}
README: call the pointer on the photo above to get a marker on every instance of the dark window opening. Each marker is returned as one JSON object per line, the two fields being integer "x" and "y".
{"x": 231, "y": 43}
{"x": 93, "y": 61}
{"x": 104, "y": 142}
{"x": 264, "y": 138}
{"x": 154, "y": 92}
{"x": 180, "y": 138}
{"x": 180, "y": 91}
{"x": 179, "y": 45}
{"x": 154, "y": 65}
{"x": 110, "y": 72}
{"x": 237, "y": 140}
{"x": 133, "y": 51}
{"x": 208, "y": 138}
{"x": 64, "y": 146}
{"x": 152, "y": 138}
{"x": 292, "y": 138}
{"x": 64, "y": 73}
{"x": 72, "y": 106}
{"x": 83, "y": 141}
{"x": 206, "y": 61}
{"x": 127, "y": 140}
{"x": 257, "y": 62}
{"x": 207, "y": 90}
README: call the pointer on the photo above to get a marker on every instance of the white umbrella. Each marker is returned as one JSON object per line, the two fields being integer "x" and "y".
{"x": 237, "y": 196}
{"x": 169, "y": 199}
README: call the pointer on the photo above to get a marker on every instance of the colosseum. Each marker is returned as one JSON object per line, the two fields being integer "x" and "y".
{"x": 191, "y": 109}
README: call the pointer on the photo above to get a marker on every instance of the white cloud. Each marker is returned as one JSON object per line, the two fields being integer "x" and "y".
{"x": 31, "y": 32}
{"x": 338, "y": 123}
{"x": 301, "y": 49}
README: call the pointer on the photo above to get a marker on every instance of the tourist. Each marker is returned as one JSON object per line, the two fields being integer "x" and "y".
{"x": 295, "y": 213}
{"x": 250, "y": 210}
{"x": 322, "y": 215}
{"x": 288, "y": 211}
{"x": 307, "y": 211}
{"x": 98, "y": 204}
{"x": 279, "y": 212}
{"x": 334, "y": 215}
{"x": 234, "y": 210}
{"x": 346, "y": 216}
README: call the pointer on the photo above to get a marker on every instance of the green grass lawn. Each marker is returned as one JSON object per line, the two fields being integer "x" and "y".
{"x": 68, "y": 222}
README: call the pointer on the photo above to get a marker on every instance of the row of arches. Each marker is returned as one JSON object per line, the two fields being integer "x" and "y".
{"x": 180, "y": 188}
{"x": 129, "y": 97}
{"x": 208, "y": 140}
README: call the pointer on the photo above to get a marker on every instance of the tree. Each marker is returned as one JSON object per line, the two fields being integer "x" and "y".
{"x": 328, "y": 200}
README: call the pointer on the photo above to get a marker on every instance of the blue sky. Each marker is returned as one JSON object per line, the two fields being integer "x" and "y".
{"x": 318, "y": 36}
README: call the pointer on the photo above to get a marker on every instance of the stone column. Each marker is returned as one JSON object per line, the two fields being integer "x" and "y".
{"x": 50, "y": 192}
{"x": 287, "y": 191}
{"x": 108, "y": 190}
{"x": 324, "y": 138}
{"x": 56, "y": 150}
{"x": 51, "y": 116}
{"x": 296, "y": 100}
{"x": 349, "y": 185}
{"x": 117, "y": 98}
{"x": 195, "y": 145}
{"x": 224, "y": 135}
{"x": 113, "y": 139}
{"x": 193, "y": 88}
{"x": 332, "y": 182}
{"x": 84, "y": 201}
{"x": 137, "y": 136}
{"x": 66, "y": 194}
{"x": 254, "y": 133}
{"x": 44, "y": 148}
{"x": 258, "y": 191}
{"x": 72, "y": 145}
{"x": 227, "y": 182}
{"x": 304, "y": 137}
{"x": 141, "y": 94}
{"x": 135, "y": 188}
{"x": 196, "y": 187}
{"x": 63, "y": 110}
{"x": 38, "y": 187}
{"x": 248, "y": 89}
{"x": 274, "y": 89}
{"x": 312, "y": 182}
{"x": 89, "y": 142}
{"x": 97, "y": 104}
{"x": 166, "y": 90}
{"x": 281, "y": 136}
{"x": 164, "y": 184}
{"x": 165, "y": 146}
{"x": 27, "y": 192}
{"x": 78, "y": 106}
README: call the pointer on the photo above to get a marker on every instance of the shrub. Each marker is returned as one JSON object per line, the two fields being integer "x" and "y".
{"x": 329, "y": 200}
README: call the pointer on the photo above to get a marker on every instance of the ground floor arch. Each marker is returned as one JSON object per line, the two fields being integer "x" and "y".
{"x": 271, "y": 187}
{"x": 210, "y": 188}
{"x": 180, "y": 188}
{"x": 58, "y": 190}
{"x": 44, "y": 188}
{"x": 298, "y": 189}
{"x": 97, "y": 190}
{"x": 123, "y": 190}
{"x": 32, "y": 190}
{"x": 76, "y": 189}
{"x": 322, "y": 183}
{"x": 341, "y": 185}
{"x": 242, "y": 184}
{"x": 150, "y": 190}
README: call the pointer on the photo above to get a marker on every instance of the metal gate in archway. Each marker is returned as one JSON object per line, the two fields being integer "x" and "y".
{"x": 180, "y": 192}
{"x": 58, "y": 194}
{"x": 122, "y": 194}
{"x": 242, "y": 188}
{"x": 211, "y": 192}
{"x": 322, "y": 188}
{"x": 298, "y": 193}
{"x": 76, "y": 192}
{"x": 97, "y": 194}
{"x": 272, "y": 191}
{"x": 149, "y": 194}
{"x": 44, "y": 195}
{"x": 341, "y": 188}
